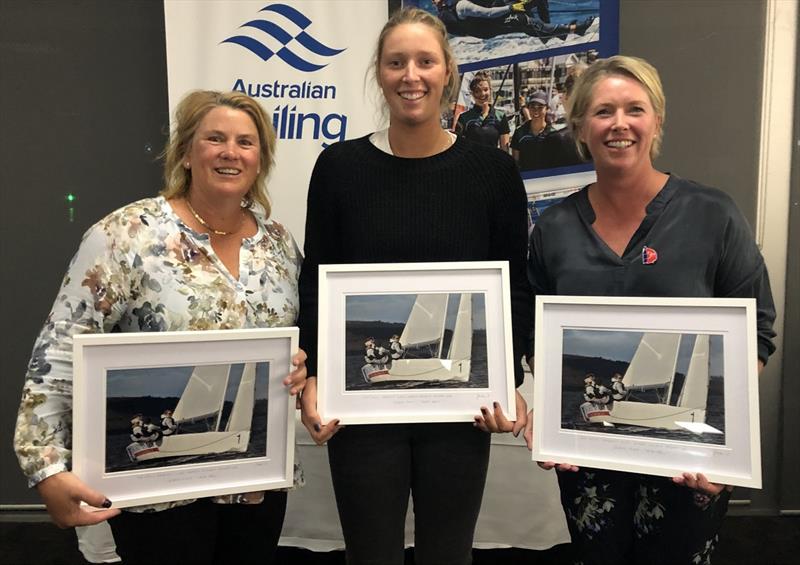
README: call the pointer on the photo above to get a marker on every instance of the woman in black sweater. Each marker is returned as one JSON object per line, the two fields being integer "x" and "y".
{"x": 412, "y": 193}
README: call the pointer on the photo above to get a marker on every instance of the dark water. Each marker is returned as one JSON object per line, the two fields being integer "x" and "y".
{"x": 574, "y": 370}
{"x": 354, "y": 379}
{"x": 118, "y": 436}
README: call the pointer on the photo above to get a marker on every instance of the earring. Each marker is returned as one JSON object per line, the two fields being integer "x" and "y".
{"x": 186, "y": 165}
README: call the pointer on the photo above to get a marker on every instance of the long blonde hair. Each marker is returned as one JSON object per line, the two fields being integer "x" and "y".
{"x": 190, "y": 112}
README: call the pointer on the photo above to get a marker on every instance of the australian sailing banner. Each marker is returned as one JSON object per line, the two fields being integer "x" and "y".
{"x": 304, "y": 60}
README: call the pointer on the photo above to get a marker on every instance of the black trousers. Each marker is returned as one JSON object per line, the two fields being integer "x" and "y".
{"x": 624, "y": 518}
{"x": 202, "y": 533}
{"x": 374, "y": 467}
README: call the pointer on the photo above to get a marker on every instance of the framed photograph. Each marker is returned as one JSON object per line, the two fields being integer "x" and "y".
{"x": 659, "y": 386}
{"x": 414, "y": 342}
{"x": 164, "y": 416}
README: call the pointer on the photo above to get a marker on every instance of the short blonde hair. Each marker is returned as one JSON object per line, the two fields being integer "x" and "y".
{"x": 419, "y": 16}
{"x": 190, "y": 112}
{"x": 621, "y": 65}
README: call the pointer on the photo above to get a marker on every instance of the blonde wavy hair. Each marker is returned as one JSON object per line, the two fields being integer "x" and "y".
{"x": 190, "y": 112}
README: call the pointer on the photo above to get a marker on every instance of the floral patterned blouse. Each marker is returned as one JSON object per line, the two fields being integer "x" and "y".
{"x": 141, "y": 269}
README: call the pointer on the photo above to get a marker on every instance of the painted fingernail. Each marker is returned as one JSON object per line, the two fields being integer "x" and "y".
{"x": 495, "y": 404}
{"x": 483, "y": 410}
{"x": 106, "y": 503}
{"x": 317, "y": 427}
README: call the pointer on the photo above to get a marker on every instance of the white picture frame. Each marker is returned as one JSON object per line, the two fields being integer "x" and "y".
{"x": 441, "y": 384}
{"x": 246, "y": 446}
{"x": 703, "y": 344}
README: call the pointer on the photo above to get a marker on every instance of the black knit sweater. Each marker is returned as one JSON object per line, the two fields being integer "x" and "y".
{"x": 365, "y": 206}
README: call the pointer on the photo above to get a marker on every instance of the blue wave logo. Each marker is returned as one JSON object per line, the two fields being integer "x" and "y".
{"x": 285, "y": 38}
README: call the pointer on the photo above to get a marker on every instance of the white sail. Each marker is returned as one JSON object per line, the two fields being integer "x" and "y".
{"x": 694, "y": 393}
{"x": 425, "y": 323}
{"x": 461, "y": 344}
{"x": 204, "y": 393}
{"x": 653, "y": 364}
{"x": 241, "y": 417}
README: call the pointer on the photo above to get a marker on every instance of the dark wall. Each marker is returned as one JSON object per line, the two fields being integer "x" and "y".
{"x": 83, "y": 105}
{"x": 790, "y": 486}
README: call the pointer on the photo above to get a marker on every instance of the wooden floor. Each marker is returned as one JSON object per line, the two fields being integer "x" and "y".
{"x": 744, "y": 540}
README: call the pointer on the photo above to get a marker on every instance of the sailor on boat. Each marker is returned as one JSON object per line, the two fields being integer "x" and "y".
{"x": 375, "y": 354}
{"x": 369, "y": 351}
{"x": 590, "y": 388}
{"x": 137, "y": 428}
{"x": 618, "y": 390}
{"x": 168, "y": 425}
{"x": 596, "y": 397}
{"x": 396, "y": 348}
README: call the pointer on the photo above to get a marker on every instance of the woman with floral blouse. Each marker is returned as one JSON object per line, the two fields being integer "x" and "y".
{"x": 204, "y": 255}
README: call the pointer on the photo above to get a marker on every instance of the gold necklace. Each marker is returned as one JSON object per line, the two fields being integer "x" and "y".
{"x": 205, "y": 224}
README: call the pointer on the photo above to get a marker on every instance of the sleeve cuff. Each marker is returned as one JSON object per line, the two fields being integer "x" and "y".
{"x": 48, "y": 471}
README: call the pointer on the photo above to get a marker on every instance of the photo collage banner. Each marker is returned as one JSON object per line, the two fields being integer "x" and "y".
{"x": 518, "y": 61}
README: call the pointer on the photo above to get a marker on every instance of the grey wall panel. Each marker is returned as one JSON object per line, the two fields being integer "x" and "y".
{"x": 709, "y": 54}
{"x": 83, "y": 109}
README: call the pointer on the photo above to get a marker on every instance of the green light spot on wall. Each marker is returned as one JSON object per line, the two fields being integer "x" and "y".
{"x": 71, "y": 197}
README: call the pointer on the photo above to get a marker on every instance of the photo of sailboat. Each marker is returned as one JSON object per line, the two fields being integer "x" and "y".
{"x": 173, "y": 415}
{"x": 431, "y": 340}
{"x": 647, "y": 383}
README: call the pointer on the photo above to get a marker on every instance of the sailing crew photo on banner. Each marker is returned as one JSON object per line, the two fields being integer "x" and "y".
{"x": 291, "y": 124}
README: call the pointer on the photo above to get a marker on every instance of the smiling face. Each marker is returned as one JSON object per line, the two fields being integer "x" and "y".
{"x": 537, "y": 110}
{"x": 482, "y": 93}
{"x": 224, "y": 156}
{"x": 620, "y": 124}
{"x": 413, "y": 74}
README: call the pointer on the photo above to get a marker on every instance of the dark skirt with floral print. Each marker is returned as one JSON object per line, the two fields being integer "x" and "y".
{"x": 620, "y": 518}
